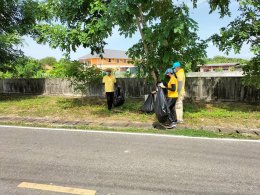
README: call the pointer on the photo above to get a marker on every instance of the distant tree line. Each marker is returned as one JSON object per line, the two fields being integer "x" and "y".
{"x": 49, "y": 67}
{"x": 223, "y": 59}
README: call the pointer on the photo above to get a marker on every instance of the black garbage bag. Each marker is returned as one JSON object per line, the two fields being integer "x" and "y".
{"x": 148, "y": 106}
{"x": 161, "y": 108}
{"x": 119, "y": 97}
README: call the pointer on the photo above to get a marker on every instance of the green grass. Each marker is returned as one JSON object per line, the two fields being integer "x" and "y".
{"x": 69, "y": 108}
{"x": 222, "y": 110}
{"x": 224, "y": 114}
{"x": 66, "y": 108}
{"x": 183, "y": 132}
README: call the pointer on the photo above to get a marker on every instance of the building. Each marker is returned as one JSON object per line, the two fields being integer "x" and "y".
{"x": 220, "y": 67}
{"x": 114, "y": 59}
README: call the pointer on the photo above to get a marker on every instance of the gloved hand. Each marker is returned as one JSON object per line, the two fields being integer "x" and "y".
{"x": 161, "y": 85}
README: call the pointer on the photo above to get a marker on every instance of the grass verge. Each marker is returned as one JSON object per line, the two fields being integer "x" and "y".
{"x": 183, "y": 132}
{"x": 196, "y": 115}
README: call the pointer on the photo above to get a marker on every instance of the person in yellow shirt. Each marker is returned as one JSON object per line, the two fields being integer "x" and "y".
{"x": 109, "y": 81}
{"x": 172, "y": 96}
{"x": 181, "y": 90}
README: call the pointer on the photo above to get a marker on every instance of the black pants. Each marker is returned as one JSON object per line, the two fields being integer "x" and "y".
{"x": 110, "y": 99}
{"x": 172, "y": 113}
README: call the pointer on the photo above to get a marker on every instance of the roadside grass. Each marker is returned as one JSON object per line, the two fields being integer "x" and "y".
{"x": 179, "y": 132}
{"x": 225, "y": 114}
{"x": 70, "y": 108}
{"x": 222, "y": 110}
{"x": 196, "y": 114}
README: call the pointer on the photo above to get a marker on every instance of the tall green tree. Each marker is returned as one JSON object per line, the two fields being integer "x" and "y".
{"x": 167, "y": 33}
{"x": 244, "y": 29}
{"x": 166, "y": 29}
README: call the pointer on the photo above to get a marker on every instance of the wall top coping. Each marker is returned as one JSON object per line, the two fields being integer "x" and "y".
{"x": 215, "y": 74}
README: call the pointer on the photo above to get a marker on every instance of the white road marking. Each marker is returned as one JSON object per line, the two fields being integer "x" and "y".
{"x": 127, "y": 133}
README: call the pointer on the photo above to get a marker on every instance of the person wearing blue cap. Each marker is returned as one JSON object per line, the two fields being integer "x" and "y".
{"x": 181, "y": 90}
{"x": 172, "y": 96}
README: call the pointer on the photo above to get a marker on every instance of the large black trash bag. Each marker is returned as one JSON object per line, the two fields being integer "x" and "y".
{"x": 161, "y": 108}
{"x": 119, "y": 98}
{"x": 148, "y": 106}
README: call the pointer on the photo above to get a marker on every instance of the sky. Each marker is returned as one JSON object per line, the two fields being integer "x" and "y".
{"x": 208, "y": 25}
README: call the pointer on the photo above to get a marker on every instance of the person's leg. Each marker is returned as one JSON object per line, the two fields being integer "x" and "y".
{"x": 171, "y": 112}
{"x": 179, "y": 108}
{"x": 110, "y": 99}
{"x": 172, "y": 104}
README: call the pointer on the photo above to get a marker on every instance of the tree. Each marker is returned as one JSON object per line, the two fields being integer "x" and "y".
{"x": 59, "y": 69}
{"x": 69, "y": 24}
{"x": 16, "y": 19}
{"x": 167, "y": 32}
{"x": 223, "y": 59}
{"x": 252, "y": 71}
{"x": 48, "y": 61}
{"x": 27, "y": 68}
{"x": 8, "y": 50}
{"x": 244, "y": 29}
{"x": 80, "y": 75}
{"x": 22, "y": 67}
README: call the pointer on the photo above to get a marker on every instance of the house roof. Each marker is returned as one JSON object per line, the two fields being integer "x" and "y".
{"x": 221, "y": 64}
{"x": 108, "y": 53}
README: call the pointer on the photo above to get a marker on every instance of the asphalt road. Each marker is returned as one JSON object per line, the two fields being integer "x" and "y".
{"x": 125, "y": 164}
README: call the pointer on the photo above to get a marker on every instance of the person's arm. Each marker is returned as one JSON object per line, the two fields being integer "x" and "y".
{"x": 103, "y": 80}
{"x": 180, "y": 82}
{"x": 179, "y": 86}
{"x": 173, "y": 87}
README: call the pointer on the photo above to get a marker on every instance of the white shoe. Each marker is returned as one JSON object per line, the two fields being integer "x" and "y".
{"x": 171, "y": 126}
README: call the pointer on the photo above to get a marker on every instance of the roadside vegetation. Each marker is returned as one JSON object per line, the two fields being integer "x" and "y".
{"x": 180, "y": 132}
{"x": 196, "y": 114}
{"x": 50, "y": 67}
{"x": 152, "y": 54}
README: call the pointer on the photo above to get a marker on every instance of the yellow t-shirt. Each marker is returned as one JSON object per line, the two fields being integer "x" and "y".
{"x": 173, "y": 94}
{"x": 109, "y": 82}
{"x": 181, "y": 78}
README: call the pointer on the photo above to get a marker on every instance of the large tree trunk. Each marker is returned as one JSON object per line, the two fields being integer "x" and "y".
{"x": 140, "y": 23}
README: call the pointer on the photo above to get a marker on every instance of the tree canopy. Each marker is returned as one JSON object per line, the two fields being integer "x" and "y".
{"x": 167, "y": 31}
{"x": 48, "y": 61}
{"x": 167, "y": 34}
{"x": 245, "y": 29}
{"x": 223, "y": 59}
{"x": 16, "y": 19}
{"x": 69, "y": 24}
